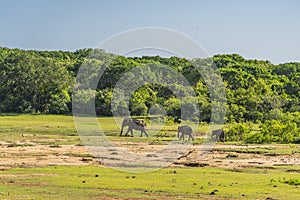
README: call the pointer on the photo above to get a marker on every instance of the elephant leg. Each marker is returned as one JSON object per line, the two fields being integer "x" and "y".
{"x": 131, "y": 130}
{"x": 121, "y": 131}
{"x": 182, "y": 136}
{"x": 127, "y": 132}
{"x": 222, "y": 139}
{"x": 146, "y": 133}
{"x": 191, "y": 136}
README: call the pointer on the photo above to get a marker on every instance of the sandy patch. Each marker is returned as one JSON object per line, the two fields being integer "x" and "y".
{"x": 37, "y": 155}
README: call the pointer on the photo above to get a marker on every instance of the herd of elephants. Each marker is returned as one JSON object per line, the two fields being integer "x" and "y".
{"x": 135, "y": 124}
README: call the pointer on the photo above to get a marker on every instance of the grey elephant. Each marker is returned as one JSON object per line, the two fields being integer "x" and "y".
{"x": 218, "y": 135}
{"x": 185, "y": 130}
{"x": 134, "y": 124}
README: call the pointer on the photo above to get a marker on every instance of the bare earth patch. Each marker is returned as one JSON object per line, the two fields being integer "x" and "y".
{"x": 228, "y": 159}
{"x": 36, "y": 155}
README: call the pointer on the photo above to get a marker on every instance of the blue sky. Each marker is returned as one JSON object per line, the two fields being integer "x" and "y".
{"x": 261, "y": 29}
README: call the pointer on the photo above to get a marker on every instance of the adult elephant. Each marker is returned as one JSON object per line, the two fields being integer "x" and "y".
{"x": 185, "y": 130}
{"x": 134, "y": 124}
{"x": 218, "y": 135}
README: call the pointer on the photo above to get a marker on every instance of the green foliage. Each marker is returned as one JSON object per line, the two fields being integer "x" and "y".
{"x": 282, "y": 130}
{"x": 33, "y": 84}
{"x": 237, "y": 132}
{"x": 83, "y": 100}
{"x": 256, "y": 91}
{"x": 293, "y": 182}
{"x": 276, "y": 131}
{"x": 102, "y": 101}
{"x": 139, "y": 109}
{"x": 172, "y": 107}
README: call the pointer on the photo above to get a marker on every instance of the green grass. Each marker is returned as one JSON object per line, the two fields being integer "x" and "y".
{"x": 90, "y": 182}
{"x": 280, "y": 149}
{"x": 18, "y": 127}
{"x": 60, "y": 130}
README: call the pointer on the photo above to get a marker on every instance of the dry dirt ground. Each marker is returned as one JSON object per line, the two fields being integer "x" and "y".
{"x": 227, "y": 159}
{"x": 37, "y": 155}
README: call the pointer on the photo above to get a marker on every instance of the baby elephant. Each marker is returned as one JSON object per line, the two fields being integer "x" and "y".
{"x": 185, "y": 130}
{"x": 134, "y": 124}
{"x": 218, "y": 135}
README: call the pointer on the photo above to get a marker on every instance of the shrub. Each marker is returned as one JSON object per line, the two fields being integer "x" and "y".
{"x": 293, "y": 182}
{"x": 139, "y": 109}
{"x": 275, "y": 131}
{"x": 237, "y": 132}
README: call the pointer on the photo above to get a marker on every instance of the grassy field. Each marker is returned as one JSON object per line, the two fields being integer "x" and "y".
{"x": 85, "y": 182}
{"x": 32, "y": 127}
{"x": 98, "y": 182}
{"x": 60, "y": 182}
{"x": 61, "y": 130}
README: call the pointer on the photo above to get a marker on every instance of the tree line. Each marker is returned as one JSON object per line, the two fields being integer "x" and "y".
{"x": 256, "y": 91}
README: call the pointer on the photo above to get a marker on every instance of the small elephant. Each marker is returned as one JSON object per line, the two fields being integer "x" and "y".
{"x": 185, "y": 130}
{"x": 218, "y": 135}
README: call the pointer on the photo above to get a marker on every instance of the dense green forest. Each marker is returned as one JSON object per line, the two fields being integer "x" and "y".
{"x": 256, "y": 91}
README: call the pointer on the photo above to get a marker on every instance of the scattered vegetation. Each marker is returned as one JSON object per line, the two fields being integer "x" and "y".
{"x": 185, "y": 183}
{"x": 293, "y": 181}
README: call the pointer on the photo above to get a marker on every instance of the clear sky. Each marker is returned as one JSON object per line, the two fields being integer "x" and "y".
{"x": 261, "y": 29}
